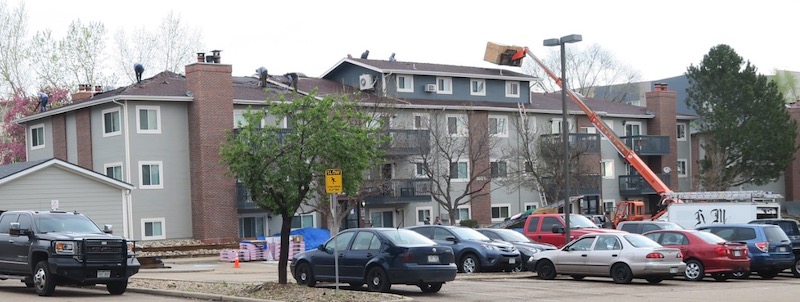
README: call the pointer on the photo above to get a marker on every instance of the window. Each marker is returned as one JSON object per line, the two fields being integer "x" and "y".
{"x": 252, "y": 227}
{"x": 150, "y": 175}
{"x": 498, "y": 126}
{"x": 528, "y": 167}
{"x": 422, "y": 213}
{"x": 633, "y": 128}
{"x": 607, "y": 168}
{"x": 609, "y": 205}
{"x": 153, "y": 229}
{"x": 444, "y": 85}
{"x": 365, "y": 241}
{"x": 114, "y": 170}
{"x": 555, "y": 125}
{"x": 457, "y": 125}
{"x": 463, "y": 213}
{"x": 590, "y": 130}
{"x": 512, "y": 89}
{"x": 682, "y": 165}
{"x": 382, "y": 218}
{"x": 530, "y": 206}
{"x": 458, "y": 171}
{"x": 500, "y": 212}
{"x": 681, "y": 132}
{"x": 37, "y": 136}
{"x": 499, "y": 169}
{"x": 111, "y": 122}
{"x": 420, "y": 171}
{"x": 149, "y": 119}
{"x": 421, "y": 121}
{"x": 477, "y": 87}
{"x": 405, "y": 83}
{"x": 303, "y": 221}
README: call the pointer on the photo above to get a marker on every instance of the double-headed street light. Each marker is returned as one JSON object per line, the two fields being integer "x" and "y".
{"x": 564, "y": 122}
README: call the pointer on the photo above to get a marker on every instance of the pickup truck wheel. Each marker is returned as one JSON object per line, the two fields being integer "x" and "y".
{"x": 796, "y": 267}
{"x": 43, "y": 281}
{"x": 117, "y": 288}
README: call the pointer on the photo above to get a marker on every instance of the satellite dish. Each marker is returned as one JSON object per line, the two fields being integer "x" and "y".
{"x": 667, "y": 170}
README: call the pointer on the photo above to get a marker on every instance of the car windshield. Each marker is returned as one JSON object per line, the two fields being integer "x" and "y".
{"x": 637, "y": 240}
{"x": 66, "y": 223}
{"x": 469, "y": 234}
{"x": 708, "y": 237}
{"x": 512, "y": 236}
{"x": 580, "y": 221}
{"x": 403, "y": 237}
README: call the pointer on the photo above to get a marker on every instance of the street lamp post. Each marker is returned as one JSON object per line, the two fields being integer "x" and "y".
{"x": 564, "y": 124}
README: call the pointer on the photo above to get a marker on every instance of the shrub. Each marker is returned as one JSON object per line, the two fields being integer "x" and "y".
{"x": 472, "y": 223}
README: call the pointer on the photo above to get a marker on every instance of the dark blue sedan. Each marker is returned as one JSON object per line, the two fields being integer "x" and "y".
{"x": 378, "y": 257}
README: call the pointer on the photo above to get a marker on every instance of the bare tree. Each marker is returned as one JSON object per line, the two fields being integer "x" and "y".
{"x": 47, "y": 60}
{"x": 177, "y": 42}
{"x": 13, "y": 47}
{"x": 83, "y": 51}
{"x": 588, "y": 69}
{"x": 139, "y": 47}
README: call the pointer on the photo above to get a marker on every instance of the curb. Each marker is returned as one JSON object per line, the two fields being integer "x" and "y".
{"x": 194, "y": 295}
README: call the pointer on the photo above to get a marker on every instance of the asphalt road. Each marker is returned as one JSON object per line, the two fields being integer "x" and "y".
{"x": 13, "y": 290}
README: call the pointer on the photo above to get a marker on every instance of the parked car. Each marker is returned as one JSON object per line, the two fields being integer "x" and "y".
{"x": 621, "y": 256}
{"x": 641, "y": 227}
{"x": 474, "y": 252}
{"x": 704, "y": 253}
{"x": 790, "y": 227}
{"x": 549, "y": 228}
{"x": 769, "y": 248}
{"x": 601, "y": 221}
{"x": 524, "y": 245}
{"x": 379, "y": 257}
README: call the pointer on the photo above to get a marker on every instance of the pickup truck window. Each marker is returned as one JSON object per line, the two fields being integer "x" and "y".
{"x": 24, "y": 222}
{"x": 66, "y": 223}
{"x": 534, "y": 224}
{"x": 5, "y": 222}
{"x": 548, "y": 222}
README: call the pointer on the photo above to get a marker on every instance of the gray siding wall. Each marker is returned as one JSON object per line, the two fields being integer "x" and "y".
{"x": 348, "y": 74}
{"x": 47, "y": 151}
{"x": 684, "y": 152}
{"x": 101, "y": 202}
{"x": 72, "y": 137}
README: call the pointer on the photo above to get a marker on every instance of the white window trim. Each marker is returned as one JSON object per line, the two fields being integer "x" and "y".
{"x": 560, "y": 125}
{"x": 613, "y": 202}
{"x": 609, "y": 164}
{"x": 461, "y": 128}
{"x": 44, "y": 139}
{"x": 685, "y": 168}
{"x": 158, "y": 120}
{"x": 461, "y": 179}
{"x": 416, "y": 215}
{"x": 416, "y": 175}
{"x": 116, "y": 164}
{"x": 162, "y": 220}
{"x": 504, "y": 132}
{"x": 479, "y": 93}
{"x": 508, "y": 86}
{"x": 426, "y": 121}
{"x": 381, "y": 210}
{"x": 685, "y": 132}
{"x": 469, "y": 210}
{"x": 448, "y": 82}
{"x": 500, "y": 205}
{"x": 103, "y": 116}
{"x": 160, "y": 175}
{"x": 625, "y": 129}
{"x": 535, "y": 204}
{"x": 409, "y": 87}
{"x": 313, "y": 220}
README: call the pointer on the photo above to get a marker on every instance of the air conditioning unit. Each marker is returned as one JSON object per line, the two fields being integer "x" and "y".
{"x": 430, "y": 87}
{"x": 365, "y": 82}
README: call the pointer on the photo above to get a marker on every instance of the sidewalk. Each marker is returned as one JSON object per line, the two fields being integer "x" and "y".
{"x": 210, "y": 269}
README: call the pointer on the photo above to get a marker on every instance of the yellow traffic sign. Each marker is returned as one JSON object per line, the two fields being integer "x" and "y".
{"x": 333, "y": 181}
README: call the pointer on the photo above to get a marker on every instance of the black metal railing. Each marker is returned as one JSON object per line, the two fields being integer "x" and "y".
{"x": 648, "y": 144}
{"x": 630, "y": 185}
{"x": 581, "y": 142}
{"x": 243, "y": 201}
{"x": 405, "y": 142}
{"x": 579, "y": 185}
{"x": 398, "y": 191}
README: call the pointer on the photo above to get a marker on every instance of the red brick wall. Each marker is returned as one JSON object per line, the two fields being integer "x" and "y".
{"x": 663, "y": 103}
{"x": 59, "y": 137}
{"x": 83, "y": 123}
{"x": 214, "y": 210}
{"x": 481, "y": 206}
{"x": 792, "y": 178}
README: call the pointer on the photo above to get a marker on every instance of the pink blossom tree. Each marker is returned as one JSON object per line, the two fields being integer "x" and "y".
{"x": 12, "y": 146}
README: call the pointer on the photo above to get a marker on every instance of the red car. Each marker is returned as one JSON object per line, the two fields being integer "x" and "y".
{"x": 705, "y": 253}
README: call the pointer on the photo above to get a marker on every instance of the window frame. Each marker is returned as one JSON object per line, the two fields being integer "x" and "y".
{"x": 461, "y": 125}
{"x": 447, "y": 82}
{"x": 408, "y": 81}
{"x": 417, "y": 167}
{"x": 118, "y": 123}
{"x": 160, "y": 184}
{"x": 430, "y": 215}
{"x": 499, "y": 206}
{"x": 44, "y": 140}
{"x": 301, "y": 217}
{"x": 560, "y": 127}
{"x": 161, "y": 220}
{"x": 463, "y": 207}
{"x": 139, "y": 129}
{"x": 496, "y": 162}
{"x": 504, "y": 131}
{"x": 471, "y": 87}
{"x": 607, "y": 169}
{"x": 634, "y": 123}
{"x": 685, "y": 168}
{"x": 425, "y": 121}
{"x": 528, "y": 205}
{"x": 114, "y": 165}
{"x": 509, "y": 85}
{"x": 458, "y": 165}
{"x": 679, "y": 132}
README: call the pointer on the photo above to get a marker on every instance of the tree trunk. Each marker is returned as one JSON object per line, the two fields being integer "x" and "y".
{"x": 452, "y": 214}
{"x": 286, "y": 227}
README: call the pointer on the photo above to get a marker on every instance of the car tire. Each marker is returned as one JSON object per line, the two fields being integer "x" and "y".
{"x": 470, "y": 264}
{"x": 796, "y": 267}
{"x": 518, "y": 268}
{"x": 43, "y": 281}
{"x": 719, "y": 276}
{"x": 546, "y": 270}
{"x": 356, "y": 285}
{"x": 378, "y": 280}
{"x": 654, "y": 279}
{"x": 694, "y": 270}
{"x": 577, "y": 277}
{"x": 430, "y": 287}
{"x": 117, "y": 288}
{"x": 621, "y": 273}
{"x": 304, "y": 275}
{"x": 741, "y": 274}
{"x": 768, "y": 274}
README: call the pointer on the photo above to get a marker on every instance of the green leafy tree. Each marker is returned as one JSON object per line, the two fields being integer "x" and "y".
{"x": 787, "y": 84}
{"x": 282, "y": 167}
{"x": 749, "y": 136}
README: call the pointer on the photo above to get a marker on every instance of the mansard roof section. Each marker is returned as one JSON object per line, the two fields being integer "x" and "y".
{"x": 431, "y": 69}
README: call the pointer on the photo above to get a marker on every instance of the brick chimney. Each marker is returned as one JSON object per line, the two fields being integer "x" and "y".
{"x": 85, "y": 92}
{"x": 214, "y": 210}
{"x": 662, "y": 102}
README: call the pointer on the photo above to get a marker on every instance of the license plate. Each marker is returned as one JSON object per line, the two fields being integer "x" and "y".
{"x": 512, "y": 260}
{"x": 103, "y": 273}
{"x": 782, "y": 249}
{"x": 737, "y": 253}
{"x": 673, "y": 270}
{"x": 433, "y": 258}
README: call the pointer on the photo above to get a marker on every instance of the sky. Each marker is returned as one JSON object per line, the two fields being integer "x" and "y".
{"x": 659, "y": 39}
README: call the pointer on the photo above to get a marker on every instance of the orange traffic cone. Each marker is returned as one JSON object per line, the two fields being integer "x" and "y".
{"x": 236, "y": 262}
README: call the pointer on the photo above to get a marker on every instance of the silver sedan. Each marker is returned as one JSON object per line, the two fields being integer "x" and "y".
{"x": 621, "y": 256}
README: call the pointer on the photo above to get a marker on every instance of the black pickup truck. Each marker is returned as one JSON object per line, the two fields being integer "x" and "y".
{"x": 48, "y": 248}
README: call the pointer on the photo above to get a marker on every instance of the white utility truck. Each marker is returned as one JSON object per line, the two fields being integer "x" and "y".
{"x": 741, "y": 207}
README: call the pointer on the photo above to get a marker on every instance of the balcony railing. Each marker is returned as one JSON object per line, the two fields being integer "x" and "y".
{"x": 243, "y": 201}
{"x": 281, "y": 133}
{"x": 407, "y": 142}
{"x": 398, "y": 191}
{"x": 579, "y": 185}
{"x": 630, "y": 185}
{"x": 648, "y": 144}
{"x": 582, "y": 142}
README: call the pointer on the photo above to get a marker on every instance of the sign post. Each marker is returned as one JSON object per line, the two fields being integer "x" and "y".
{"x": 333, "y": 186}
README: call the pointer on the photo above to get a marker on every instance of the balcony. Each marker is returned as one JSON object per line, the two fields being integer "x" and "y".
{"x": 281, "y": 133}
{"x": 407, "y": 142}
{"x": 581, "y": 142}
{"x": 648, "y": 144}
{"x": 243, "y": 202}
{"x": 633, "y": 185}
{"x": 579, "y": 185}
{"x": 396, "y": 191}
